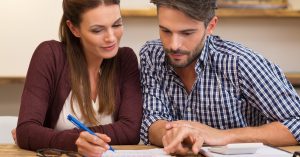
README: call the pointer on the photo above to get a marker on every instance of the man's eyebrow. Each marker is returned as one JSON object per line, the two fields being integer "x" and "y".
{"x": 160, "y": 26}
{"x": 185, "y": 30}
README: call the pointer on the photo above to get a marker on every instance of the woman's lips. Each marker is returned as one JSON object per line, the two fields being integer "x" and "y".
{"x": 109, "y": 48}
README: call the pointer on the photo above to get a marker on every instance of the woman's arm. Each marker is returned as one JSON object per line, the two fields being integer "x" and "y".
{"x": 37, "y": 103}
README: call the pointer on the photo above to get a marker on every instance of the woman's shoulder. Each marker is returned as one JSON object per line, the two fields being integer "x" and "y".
{"x": 125, "y": 51}
{"x": 126, "y": 59}
{"x": 50, "y": 49}
{"x": 126, "y": 54}
{"x": 49, "y": 53}
{"x": 50, "y": 46}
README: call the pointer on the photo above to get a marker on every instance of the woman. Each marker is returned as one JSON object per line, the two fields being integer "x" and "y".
{"x": 86, "y": 75}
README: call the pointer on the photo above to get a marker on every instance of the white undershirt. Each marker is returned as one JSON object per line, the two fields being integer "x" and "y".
{"x": 64, "y": 124}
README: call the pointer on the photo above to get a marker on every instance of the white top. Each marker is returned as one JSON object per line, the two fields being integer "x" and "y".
{"x": 64, "y": 124}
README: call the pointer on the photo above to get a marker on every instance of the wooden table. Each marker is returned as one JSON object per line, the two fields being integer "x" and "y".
{"x": 11, "y": 150}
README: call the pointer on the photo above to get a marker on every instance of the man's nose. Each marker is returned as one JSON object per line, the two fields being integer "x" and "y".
{"x": 175, "y": 42}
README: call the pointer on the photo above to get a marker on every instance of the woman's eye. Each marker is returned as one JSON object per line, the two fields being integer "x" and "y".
{"x": 96, "y": 30}
{"x": 117, "y": 25}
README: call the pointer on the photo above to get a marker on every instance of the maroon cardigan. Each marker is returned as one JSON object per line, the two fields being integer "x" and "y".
{"x": 48, "y": 85}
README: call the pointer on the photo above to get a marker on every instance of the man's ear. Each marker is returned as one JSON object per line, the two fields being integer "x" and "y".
{"x": 212, "y": 25}
{"x": 73, "y": 29}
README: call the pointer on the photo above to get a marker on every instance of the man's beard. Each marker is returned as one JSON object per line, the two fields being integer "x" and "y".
{"x": 192, "y": 55}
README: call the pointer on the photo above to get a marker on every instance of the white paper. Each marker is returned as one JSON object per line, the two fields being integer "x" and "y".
{"x": 264, "y": 151}
{"x": 136, "y": 153}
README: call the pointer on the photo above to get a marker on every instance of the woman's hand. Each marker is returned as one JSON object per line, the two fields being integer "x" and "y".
{"x": 92, "y": 146}
{"x": 14, "y": 135}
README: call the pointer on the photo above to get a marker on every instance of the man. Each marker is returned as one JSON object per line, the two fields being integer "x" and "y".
{"x": 199, "y": 89}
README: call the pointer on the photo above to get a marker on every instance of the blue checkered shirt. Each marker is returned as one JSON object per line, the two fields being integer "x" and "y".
{"x": 235, "y": 88}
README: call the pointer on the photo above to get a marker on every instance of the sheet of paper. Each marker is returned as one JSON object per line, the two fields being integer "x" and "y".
{"x": 264, "y": 151}
{"x": 136, "y": 153}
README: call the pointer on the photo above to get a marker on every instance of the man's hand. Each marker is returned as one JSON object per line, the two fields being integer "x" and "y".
{"x": 211, "y": 135}
{"x": 180, "y": 138}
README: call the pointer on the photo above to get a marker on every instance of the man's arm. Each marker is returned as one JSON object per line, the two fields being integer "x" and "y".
{"x": 264, "y": 87}
{"x": 155, "y": 100}
{"x": 180, "y": 132}
{"x": 275, "y": 134}
{"x": 156, "y": 131}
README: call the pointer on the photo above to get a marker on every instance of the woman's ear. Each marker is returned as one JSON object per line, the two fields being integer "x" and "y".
{"x": 73, "y": 29}
{"x": 212, "y": 25}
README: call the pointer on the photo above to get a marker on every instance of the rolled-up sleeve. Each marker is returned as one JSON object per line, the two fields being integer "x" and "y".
{"x": 266, "y": 88}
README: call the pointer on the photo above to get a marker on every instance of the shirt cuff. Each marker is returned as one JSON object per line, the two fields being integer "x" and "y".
{"x": 147, "y": 122}
{"x": 294, "y": 126}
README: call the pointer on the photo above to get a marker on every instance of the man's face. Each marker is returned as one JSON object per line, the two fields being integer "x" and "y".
{"x": 182, "y": 37}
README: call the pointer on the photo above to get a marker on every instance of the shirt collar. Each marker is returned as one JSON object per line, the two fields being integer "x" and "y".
{"x": 203, "y": 59}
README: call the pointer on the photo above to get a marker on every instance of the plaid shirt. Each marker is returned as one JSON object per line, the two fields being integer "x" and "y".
{"x": 235, "y": 88}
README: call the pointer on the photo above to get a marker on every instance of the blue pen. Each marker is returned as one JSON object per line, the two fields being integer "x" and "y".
{"x": 79, "y": 125}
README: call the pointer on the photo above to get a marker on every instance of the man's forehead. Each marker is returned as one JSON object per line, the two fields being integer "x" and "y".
{"x": 173, "y": 18}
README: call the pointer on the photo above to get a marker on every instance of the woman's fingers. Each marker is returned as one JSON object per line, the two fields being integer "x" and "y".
{"x": 87, "y": 149}
{"x": 91, "y": 145}
{"x": 104, "y": 137}
{"x": 14, "y": 135}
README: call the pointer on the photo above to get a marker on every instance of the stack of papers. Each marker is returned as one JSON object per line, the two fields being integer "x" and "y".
{"x": 264, "y": 151}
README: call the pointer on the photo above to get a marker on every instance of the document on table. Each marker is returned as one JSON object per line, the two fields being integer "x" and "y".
{"x": 137, "y": 153}
{"x": 264, "y": 151}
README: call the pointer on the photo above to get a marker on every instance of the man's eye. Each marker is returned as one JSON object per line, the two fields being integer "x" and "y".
{"x": 187, "y": 33}
{"x": 166, "y": 31}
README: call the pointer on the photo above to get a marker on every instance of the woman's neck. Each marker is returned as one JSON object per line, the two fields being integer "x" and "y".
{"x": 94, "y": 72}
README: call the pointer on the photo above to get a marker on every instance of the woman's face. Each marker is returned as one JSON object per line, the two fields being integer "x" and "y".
{"x": 100, "y": 32}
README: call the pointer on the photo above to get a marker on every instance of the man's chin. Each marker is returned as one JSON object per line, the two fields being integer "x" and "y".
{"x": 178, "y": 65}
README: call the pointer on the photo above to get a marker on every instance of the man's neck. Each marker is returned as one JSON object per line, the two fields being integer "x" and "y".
{"x": 187, "y": 75}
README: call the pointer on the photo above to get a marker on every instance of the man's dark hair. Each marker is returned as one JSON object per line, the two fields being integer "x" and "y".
{"x": 201, "y": 10}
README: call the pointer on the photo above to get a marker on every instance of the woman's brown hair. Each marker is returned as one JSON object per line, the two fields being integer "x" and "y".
{"x": 80, "y": 82}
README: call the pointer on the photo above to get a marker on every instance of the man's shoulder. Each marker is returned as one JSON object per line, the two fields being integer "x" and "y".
{"x": 152, "y": 50}
{"x": 152, "y": 45}
{"x": 229, "y": 52}
{"x": 229, "y": 49}
{"x": 155, "y": 42}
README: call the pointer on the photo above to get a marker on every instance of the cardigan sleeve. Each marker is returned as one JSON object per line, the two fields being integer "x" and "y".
{"x": 36, "y": 101}
{"x": 126, "y": 126}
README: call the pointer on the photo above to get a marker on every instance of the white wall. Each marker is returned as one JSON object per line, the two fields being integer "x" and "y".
{"x": 30, "y": 23}
{"x": 278, "y": 39}
{"x": 24, "y": 24}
